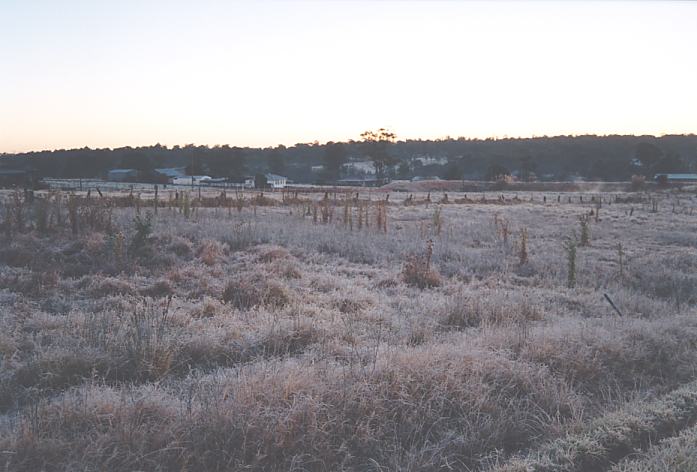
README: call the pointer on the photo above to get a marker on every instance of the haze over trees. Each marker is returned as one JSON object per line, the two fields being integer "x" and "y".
{"x": 608, "y": 158}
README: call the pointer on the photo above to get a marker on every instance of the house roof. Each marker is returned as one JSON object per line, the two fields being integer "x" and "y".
{"x": 172, "y": 171}
{"x": 195, "y": 177}
{"x": 275, "y": 177}
{"x": 121, "y": 171}
{"x": 679, "y": 176}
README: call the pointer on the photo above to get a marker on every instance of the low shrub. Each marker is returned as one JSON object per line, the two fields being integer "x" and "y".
{"x": 418, "y": 273}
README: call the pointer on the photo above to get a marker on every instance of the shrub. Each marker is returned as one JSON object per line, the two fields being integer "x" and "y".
{"x": 274, "y": 254}
{"x": 523, "y": 252}
{"x": 210, "y": 251}
{"x": 417, "y": 270}
{"x": 416, "y": 273}
{"x": 638, "y": 182}
{"x": 180, "y": 246}
{"x": 585, "y": 230}
{"x": 276, "y": 294}
{"x": 143, "y": 230}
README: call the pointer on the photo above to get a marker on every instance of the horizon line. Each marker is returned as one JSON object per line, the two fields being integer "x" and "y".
{"x": 350, "y": 140}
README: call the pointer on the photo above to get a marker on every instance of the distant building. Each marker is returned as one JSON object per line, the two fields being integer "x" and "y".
{"x": 172, "y": 172}
{"x": 676, "y": 178}
{"x": 122, "y": 175}
{"x": 192, "y": 180}
{"x": 428, "y": 160}
{"x": 358, "y": 167}
{"x": 276, "y": 181}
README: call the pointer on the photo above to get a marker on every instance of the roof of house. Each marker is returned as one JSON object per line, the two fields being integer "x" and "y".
{"x": 12, "y": 172}
{"x": 275, "y": 177}
{"x": 679, "y": 176}
{"x": 195, "y": 177}
{"x": 121, "y": 171}
{"x": 172, "y": 171}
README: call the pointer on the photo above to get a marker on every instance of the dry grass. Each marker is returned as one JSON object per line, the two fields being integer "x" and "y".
{"x": 270, "y": 338}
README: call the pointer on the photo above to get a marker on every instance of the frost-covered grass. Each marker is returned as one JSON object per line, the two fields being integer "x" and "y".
{"x": 265, "y": 339}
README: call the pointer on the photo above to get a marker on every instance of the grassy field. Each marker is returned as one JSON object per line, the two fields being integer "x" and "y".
{"x": 314, "y": 332}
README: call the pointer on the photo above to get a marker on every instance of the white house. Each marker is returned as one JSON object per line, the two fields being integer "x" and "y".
{"x": 359, "y": 167}
{"x": 276, "y": 181}
{"x": 173, "y": 173}
{"x": 680, "y": 178}
{"x": 191, "y": 179}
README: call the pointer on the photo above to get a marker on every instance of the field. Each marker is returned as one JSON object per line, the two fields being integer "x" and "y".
{"x": 358, "y": 331}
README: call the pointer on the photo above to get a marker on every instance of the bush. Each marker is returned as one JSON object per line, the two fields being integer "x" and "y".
{"x": 416, "y": 272}
{"x": 638, "y": 182}
{"x": 210, "y": 251}
{"x": 274, "y": 254}
{"x": 143, "y": 230}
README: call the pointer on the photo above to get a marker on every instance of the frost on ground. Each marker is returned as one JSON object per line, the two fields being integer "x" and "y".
{"x": 341, "y": 332}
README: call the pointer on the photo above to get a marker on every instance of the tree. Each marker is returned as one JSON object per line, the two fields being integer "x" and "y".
{"x": 670, "y": 163}
{"x": 227, "y": 162}
{"x": 137, "y": 160}
{"x": 527, "y": 167}
{"x": 648, "y": 154}
{"x": 334, "y": 158}
{"x": 275, "y": 162}
{"x": 454, "y": 169}
{"x": 83, "y": 165}
{"x": 197, "y": 166}
{"x": 375, "y": 146}
{"x": 403, "y": 170}
{"x": 260, "y": 181}
{"x": 496, "y": 172}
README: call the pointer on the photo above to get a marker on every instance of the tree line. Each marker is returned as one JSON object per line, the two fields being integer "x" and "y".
{"x": 610, "y": 158}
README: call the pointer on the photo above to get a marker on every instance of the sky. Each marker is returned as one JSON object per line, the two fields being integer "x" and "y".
{"x": 261, "y": 73}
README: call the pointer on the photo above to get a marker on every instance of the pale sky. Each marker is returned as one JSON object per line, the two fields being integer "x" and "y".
{"x": 260, "y": 73}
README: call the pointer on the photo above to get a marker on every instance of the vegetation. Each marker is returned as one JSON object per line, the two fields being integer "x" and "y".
{"x": 319, "y": 331}
{"x": 609, "y": 158}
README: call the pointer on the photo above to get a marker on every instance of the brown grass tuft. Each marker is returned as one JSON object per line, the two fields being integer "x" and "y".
{"x": 416, "y": 272}
{"x": 104, "y": 287}
{"x": 274, "y": 254}
{"x": 210, "y": 252}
